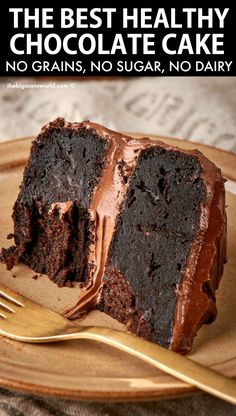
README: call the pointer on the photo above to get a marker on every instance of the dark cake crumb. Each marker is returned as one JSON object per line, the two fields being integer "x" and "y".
{"x": 35, "y": 276}
{"x": 10, "y": 236}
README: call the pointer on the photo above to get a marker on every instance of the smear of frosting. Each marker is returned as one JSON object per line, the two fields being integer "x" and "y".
{"x": 204, "y": 264}
{"x": 104, "y": 208}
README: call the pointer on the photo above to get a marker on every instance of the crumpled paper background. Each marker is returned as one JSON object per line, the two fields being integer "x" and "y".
{"x": 196, "y": 109}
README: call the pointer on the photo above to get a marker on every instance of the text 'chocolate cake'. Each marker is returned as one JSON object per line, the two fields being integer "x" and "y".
{"x": 140, "y": 224}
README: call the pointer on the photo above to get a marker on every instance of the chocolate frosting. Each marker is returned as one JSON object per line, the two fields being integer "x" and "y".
{"x": 104, "y": 208}
{"x": 204, "y": 265}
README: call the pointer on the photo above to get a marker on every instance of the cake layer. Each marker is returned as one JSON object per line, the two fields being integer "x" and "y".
{"x": 66, "y": 162}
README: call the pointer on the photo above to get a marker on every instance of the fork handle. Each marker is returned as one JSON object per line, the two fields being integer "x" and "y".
{"x": 170, "y": 362}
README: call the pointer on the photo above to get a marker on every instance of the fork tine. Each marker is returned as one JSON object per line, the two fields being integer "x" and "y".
{"x": 11, "y": 296}
{"x": 6, "y": 305}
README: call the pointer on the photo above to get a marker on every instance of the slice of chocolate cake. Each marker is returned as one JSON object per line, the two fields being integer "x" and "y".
{"x": 52, "y": 225}
{"x": 167, "y": 253}
{"x": 141, "y": 225}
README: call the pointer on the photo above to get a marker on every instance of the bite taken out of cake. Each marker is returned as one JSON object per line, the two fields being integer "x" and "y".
{"x": 139, "y": 224}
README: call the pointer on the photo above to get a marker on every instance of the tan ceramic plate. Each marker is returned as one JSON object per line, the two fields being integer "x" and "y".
{"x": 88, "y": 370}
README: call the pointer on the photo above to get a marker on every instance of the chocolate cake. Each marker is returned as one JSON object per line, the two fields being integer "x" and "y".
{"x": 139, "y": 224}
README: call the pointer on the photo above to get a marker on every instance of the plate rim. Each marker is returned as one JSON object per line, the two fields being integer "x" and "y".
{"x": 111, "y": 396}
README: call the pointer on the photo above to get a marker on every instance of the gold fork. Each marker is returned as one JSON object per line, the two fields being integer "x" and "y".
{"x": 24, "y": 320}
